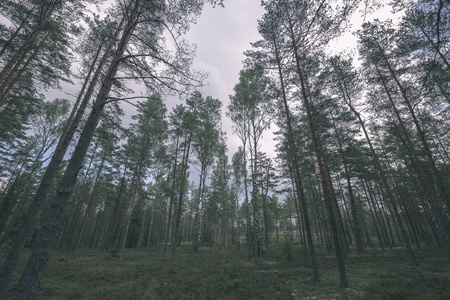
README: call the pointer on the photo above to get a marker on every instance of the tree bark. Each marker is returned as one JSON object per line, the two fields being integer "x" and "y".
{"x": 298, "y": 181}
{"x": 130, "y": 195}
{"x": 30, "y": 280}
{"x": 419, "y": 129}
{"x": 172, "y": 191}
{"x": 323, "y": 167}
{"x": 176, "y": 233}
{"x": 47, "y": 179}
{"x": 387, "y": 189}
{"x": 445, "y": 230}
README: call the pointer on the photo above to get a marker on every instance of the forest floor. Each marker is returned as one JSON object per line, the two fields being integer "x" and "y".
{"x": 282, "y": 274}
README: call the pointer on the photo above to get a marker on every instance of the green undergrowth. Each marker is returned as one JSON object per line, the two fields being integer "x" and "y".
{"x": 212, "y": 274}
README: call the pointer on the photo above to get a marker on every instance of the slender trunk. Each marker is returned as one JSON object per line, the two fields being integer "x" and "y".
{"x": 17, "y": 171}
{"x": 176, "y": 233}
{"x": 197, "y": 226}
{"x": 247, "y": 208}
{"x": 113, "y": 224}
{"x": 91, "y": 205}
{"x": 254, "y": 199}
{"x": 421, "y": 133}
{"x": 142, "y": 231}
{"x": 46, "y": 181}
{"x": 72, "y": 234}
{"x": 356, "y": 224}
{"x": 150, "y": 229}
{"x": 30, "y": 280}
{"x": 436, "y": 48}
{"x": 323, "y": 168}
{"x": 299, "y": 215}
{"x": 373, "y": 213}
{"x": 92, "y": 241}
{"x": 130, "y": 195}
{"x": 264, "y": 198}
{"x": 36, "y": 164}
{"x": 298, "y": 182}
{"x": 172, "y": 191}
{"x": 127, "y": 227}
{"x": 434, "y": 202}
{"x": 387, "y": 189}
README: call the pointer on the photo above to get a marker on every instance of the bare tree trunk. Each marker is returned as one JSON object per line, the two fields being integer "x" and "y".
{"x": 72, "y": 234}
{"x": 197, "y": 226}
{"x": 356, "y": 224}
{"x": 421, "y": 133}
{"x": 373, "y": 213}
{"x": 36, "y": 164}
{"x": 49, "y": 175}
{"x": 323, "y": 169}
{"x": 176, "y": 233}
{"x": 247, "y": 211}
{"x": 127, "y": 227}
{"x": 434, "y": 203}
{"x": 150, "y": 229}
{"x": 298, "y": 182}
{"x": 386, "y": 187}
{"x": 91, "y": 206}
{"x": 130, "y": 195}
{"x": 172, "y": 193}
{"x": 30, "y": 280}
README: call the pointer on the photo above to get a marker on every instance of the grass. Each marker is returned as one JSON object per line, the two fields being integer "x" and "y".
{"x": 153, "y": 274}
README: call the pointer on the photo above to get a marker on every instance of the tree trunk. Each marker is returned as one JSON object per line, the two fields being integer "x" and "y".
{"x": 373, "y": 213}
{"x": 323, "y": 168}
{"x": 421, "y": 133}
{"x": 12, "y": 212}
{"x": 30, "y": 280}
{"x": 356, "y": 225}
{"x": 176, "y": 233}
{"x": 130, "y": 195}
{"x": 387, "y": 189}
{"x": 46, "y": 181}
{"x": 434, "y": 203}
{"x": 91, "y": 205}
{"x": 197, "y": 226}
{"x": 72, "y": 234}
{"x": 298, "y": 181}
{"x": 127, "y": 227}
{"x": 172, "y": 193}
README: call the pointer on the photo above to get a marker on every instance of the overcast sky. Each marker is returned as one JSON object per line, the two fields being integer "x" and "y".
{"x": 221, "y": 36}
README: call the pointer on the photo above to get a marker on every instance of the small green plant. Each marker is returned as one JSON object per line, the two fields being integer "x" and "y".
{"x": 281, "y": 274}
{"x": 287, "y": 251}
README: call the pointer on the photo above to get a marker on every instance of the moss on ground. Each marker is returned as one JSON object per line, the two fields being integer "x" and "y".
{"x": 154, "y": 274}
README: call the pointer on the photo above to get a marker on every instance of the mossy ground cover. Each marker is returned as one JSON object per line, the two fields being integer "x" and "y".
{"x": 212, "y": 274}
